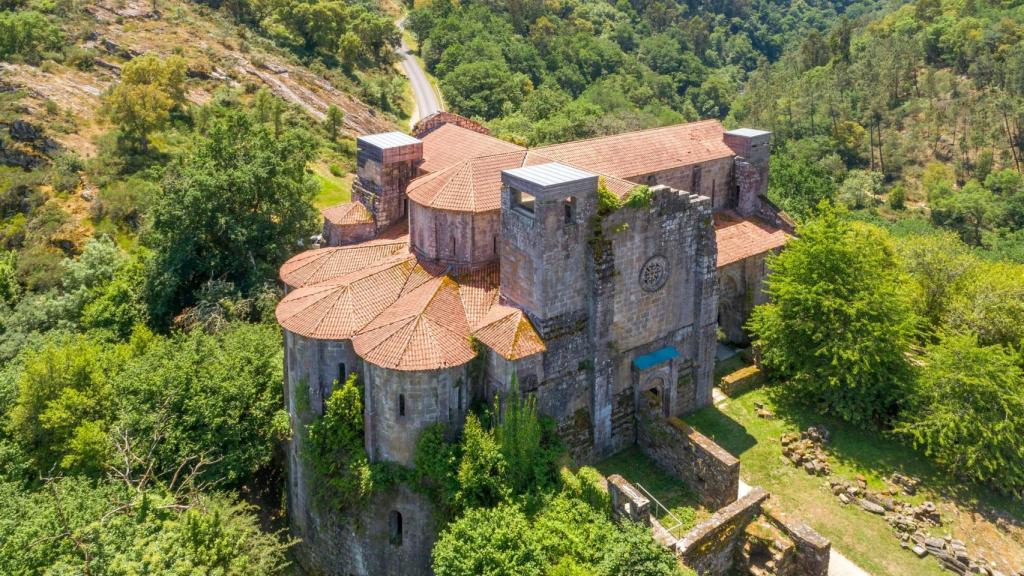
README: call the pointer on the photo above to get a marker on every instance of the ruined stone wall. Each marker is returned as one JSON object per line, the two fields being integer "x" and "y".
{"x": 463, "y": 238}
{"x": 707, "y": 469}
{"x": 649, "y": 278}
{"x": 399, "y": 405}
{"x": 812, "y": 549}
{"x": 741, "y": 288}
{"x": 712, "y": 547}
{"x": 359, "y": 541}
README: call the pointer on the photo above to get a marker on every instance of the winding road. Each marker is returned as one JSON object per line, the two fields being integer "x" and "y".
{"x": 424, "y": 96}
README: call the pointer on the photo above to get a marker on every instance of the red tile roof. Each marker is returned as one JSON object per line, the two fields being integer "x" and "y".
{"x": 645, "y": 151}
{"x": 314, "y": 266}
{"x": 451, "y": 144}
{"x": 425, "y": 329}
{"x": 508, "y": 332}
{"x": 739, "y": 238}
{"x": 404, "y": 315}
{"x": 347, "y": 213}
{"x": 474, "y": 185}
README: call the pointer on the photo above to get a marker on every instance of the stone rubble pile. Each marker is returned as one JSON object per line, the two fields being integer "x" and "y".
{"x": 909, "y": 522}
{"x": 806, "y": 450}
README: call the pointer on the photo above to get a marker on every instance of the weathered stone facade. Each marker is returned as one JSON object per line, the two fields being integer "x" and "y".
{"x": 623, "y": 305}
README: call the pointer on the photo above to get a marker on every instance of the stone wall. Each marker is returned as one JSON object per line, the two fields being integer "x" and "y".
{"x": 463, "y": 238}
{"x": 399, "y": 405}
{"x": 438, "y": 119}
{"x": 627, "y": 502}
{"x": 707, "y": 469}
{"x": 356, "y": 542}
{"x": 712, "y": 547}
{"x": 715, "y": 180}
{"x": 812, "y": 549}
{"x": 344, "y": 234}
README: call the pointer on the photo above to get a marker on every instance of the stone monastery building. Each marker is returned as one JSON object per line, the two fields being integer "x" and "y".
{"x": 464, "y": 259}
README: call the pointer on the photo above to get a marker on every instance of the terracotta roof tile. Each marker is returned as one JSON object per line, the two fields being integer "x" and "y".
{"x": 739, "y": 238}
{"x": 338, "y": 308}
{"x": 426, "y": 329}
{"x": 645, "y": 151}
{"x": 451, "y": 144}
{"x": 473, "y": 185}
{"x": 509, "y": 332}
{"x": 347, "y": 213}
{"x": 314, "y": 266}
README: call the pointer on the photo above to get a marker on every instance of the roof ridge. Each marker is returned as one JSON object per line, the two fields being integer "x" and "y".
{"x": 620, "y": 134}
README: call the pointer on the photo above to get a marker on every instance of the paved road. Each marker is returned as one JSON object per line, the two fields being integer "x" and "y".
{"x": 426, "y": 99}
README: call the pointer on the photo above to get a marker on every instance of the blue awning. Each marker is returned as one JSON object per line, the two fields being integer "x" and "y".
{"x": 654, "y": 358}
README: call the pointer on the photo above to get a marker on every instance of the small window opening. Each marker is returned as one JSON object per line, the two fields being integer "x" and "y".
{"x": 401, "y": 404}
{"x": 395, "y": 528}
{"x": 342, "y": 374}
{"x": 570, "y": 204}
{"x": 494, "y": 249}
{"x": 523, "y": 201}
{"x": 453, "y": 246}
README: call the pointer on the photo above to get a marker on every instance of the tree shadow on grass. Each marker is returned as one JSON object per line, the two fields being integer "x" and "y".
{"x": 723, "y": 429}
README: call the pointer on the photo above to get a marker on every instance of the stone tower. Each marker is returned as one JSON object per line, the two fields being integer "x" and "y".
{"x": 544, "y": 217}
{"x": 751, "y": 167}
{"x": 385, "y": 164}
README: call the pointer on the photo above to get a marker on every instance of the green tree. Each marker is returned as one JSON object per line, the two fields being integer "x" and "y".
{"x": 151, "y": 88}
{"x": 28, "y": 34}
{"x": 966, "y": 410}
{"x": 233, "y": 208}
{"x": 840, "y": 319}
{"x": 798, "y": 185}
{"x": 634, "y": 552}
{"x": 941, "y": 266}
{"x": 482, "y": 468}
{"x": 990, "y": 305}
{"x": 215, "y": 397}
{"x": 333, "y": 122}
{"x": 77, "y": 526}
{"x": 63, "y": 405}
{"x": 969, "y": 211}
{"x": 488, "y": 542}
{"x": 483, "y": 88}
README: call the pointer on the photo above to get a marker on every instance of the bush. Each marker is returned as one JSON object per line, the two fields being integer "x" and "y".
{"x": 840, "y": 319}
{"x": 27, "y": 34}
{"x": 334, "y": 447}
{"x": 966, "y": 410}
{"x": 489, "y": 542}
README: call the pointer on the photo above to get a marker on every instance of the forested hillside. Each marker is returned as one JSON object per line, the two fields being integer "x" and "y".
{"x": 553, "y": 71}
{"x": 158, "y": 162}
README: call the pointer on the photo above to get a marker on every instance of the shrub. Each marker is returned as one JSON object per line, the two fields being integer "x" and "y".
{"x": 966, "y": 410}
{"x": 335, "y": 448}
{"x": 28, "y": 34}
{"x": 488, "y": 542}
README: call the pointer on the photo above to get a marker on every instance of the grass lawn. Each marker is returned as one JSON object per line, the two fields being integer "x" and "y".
{"x": 637, "y": 468}
{"x": 333, "y": 189}
{"x": 863, "y": 537}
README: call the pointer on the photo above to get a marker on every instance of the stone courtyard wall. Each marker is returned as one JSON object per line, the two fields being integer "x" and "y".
{"x": 812, "y": 549}
{"x": 712, "y": 547}
{"x": 707, "y": 469}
